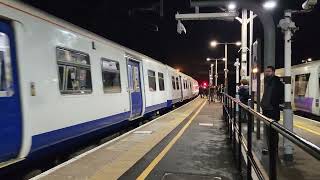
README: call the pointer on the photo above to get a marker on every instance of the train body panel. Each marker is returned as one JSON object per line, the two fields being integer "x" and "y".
{"x": 73, "y": 82}
{"x": 155, "y": 87}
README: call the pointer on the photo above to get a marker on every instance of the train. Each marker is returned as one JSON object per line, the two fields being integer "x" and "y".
{"x": 60, "y": 84}
{"x": 305, "y": 92}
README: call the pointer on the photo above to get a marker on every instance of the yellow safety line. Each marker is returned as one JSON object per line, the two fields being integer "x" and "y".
{"x": 151, "y": 166}
{"x": 306, "y": 129}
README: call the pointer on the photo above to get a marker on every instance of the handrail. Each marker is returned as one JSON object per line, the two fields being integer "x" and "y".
{"x": 229, "y": 106}
{"x": 296, "y": 139}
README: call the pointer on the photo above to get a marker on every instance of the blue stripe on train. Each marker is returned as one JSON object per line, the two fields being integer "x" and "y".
{"x": 169, "y": 103}
{"x": 155, "y": 107}
{"x": 51, "y": 138}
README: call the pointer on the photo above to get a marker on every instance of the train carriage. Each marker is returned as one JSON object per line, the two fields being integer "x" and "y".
{"x": 61, "y": 84}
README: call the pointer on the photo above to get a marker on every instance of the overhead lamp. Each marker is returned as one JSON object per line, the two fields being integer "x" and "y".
{"x": 238, "y": 43}
{"x": 270, "y": 4}
{"x": 213, "y": 43}
{"x": 232, "y": 6}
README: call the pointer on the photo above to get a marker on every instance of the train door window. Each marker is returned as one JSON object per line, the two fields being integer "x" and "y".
{"x": 74, "y": 72}
{"x": 301, "y": 84}
{"x": 110, "y": 76}
{"x": 173, "y": 82}
{"x": 177, "y": 83}
{"x": 152, "y": 80}
{"x": 136, "y": 79}
{"x": 6, "y": 78}
{"x": 161, "y": 81}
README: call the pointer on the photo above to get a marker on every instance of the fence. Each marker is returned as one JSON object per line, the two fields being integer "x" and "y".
{"x": 233, "y": 119}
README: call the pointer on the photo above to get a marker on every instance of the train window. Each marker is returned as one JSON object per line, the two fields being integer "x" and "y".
{"x": 6, "y": 78}
{"x": 74, "y": 72}
{"x": 110, "y": 76}
{"x": 152, "y": 80}
{"x": 301, "y": 84}
{"x": 177, "y": 81}
{"x": 173, "y": 82}
{"x": 161, "y": 81}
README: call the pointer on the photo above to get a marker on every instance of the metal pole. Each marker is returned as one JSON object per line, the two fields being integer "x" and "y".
{"x": 237, "y": 64}
{"x": 250, "y": 50}
{"x": 226, "y": 68}
{"x": 211, "y": 75}
{"x": 216, "y": 76}
{"x": 287, "y": 27}
{"x": 244, "y": 71}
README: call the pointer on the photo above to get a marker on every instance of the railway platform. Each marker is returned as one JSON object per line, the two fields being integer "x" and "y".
{"x": 194, "y": 141}
{"x": 188, "y": 143}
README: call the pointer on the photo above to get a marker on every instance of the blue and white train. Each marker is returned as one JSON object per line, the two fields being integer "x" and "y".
{"x": 60, "y": 83}
{"x": 305, "y": 91}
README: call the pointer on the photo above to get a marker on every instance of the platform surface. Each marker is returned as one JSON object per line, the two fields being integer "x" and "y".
{"x": 202, "y": 152}
{"x": 187, "y": 143}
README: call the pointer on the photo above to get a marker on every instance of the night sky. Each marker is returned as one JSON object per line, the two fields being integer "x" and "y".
{"x": 138, "y": 25}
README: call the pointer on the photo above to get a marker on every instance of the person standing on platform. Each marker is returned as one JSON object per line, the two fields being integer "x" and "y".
{"x": 244, "y": 97}
{"x": 272, "y": 97}
{"x": 201, "y": 92}
{"x": 244, "y": 91}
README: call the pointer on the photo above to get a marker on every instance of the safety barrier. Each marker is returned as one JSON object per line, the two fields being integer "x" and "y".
{"x": 233, "y": 119}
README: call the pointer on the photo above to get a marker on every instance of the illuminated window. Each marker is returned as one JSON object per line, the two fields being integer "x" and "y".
{"x": 173, "y": 82}
{"x": 6, "y": 78}
{"x": 152, "y": 80}
{"x": 110, "y": 76}
{"x": 161, "y": 81}
{"x": 74, "y": 72}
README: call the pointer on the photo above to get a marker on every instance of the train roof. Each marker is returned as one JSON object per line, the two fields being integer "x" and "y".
{"x": 27, "y": 9}
{"x": 308, "y": 64}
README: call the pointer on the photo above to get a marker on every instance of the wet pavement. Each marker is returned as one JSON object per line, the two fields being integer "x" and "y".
{"x": 202, "y": 152}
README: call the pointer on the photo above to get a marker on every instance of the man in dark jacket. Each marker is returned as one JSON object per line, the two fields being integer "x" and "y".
{"x": 272, "y": 97}
{"x": 244, "y": 91}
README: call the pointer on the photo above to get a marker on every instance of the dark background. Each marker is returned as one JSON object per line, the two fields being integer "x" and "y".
{"x": 139, "y": 26}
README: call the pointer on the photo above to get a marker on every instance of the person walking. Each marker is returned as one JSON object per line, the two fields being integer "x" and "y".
{"x": 272, "y": 97}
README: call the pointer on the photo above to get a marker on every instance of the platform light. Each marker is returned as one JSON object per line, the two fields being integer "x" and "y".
{"x": 211, "y": 65}
{"x": 309, "y": 59}
{"x": 238, "y": 43}
{"x": 213, "y": 43}
{"x": 270, "y": 4}
{"x": 255, "y": 70}
{"x": 208, "y": 59}
{"x": 232, "y": 6}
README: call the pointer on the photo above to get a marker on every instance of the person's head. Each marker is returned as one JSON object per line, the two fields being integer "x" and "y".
{"x": 269, "y": 71}
{"x": 244, "y": 82}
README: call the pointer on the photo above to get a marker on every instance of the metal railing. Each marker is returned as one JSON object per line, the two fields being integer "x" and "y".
{"x": 233, "y": 121}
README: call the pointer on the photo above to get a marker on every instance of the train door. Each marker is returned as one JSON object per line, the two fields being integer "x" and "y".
{"x": 135, "y": 90}
{"x": 10, "y": 107}
{"x": 180, "y": 82}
